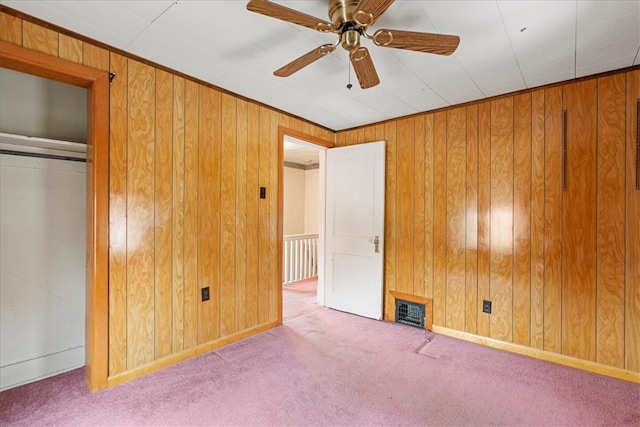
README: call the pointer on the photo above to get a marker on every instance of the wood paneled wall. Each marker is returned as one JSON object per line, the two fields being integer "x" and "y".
{"x": 186, "y": 165}
{"x": 478, "y": 208}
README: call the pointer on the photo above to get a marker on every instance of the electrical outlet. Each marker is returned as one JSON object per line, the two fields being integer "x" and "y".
{"x": 486, "y": 306}
{"x": 205, "y": 293}
{"x": 263, "y": 192}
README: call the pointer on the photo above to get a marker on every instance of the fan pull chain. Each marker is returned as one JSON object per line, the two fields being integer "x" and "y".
{"x": 349, "y": 85}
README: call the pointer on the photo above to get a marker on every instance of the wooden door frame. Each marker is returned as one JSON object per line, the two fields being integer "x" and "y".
{"x": 97, "y": 268}
{"x": 282, "y": 133}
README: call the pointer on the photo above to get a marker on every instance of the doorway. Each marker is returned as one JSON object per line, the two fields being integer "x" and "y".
{"x": 301, "y": 216}
{"x": 97, "y": 192}
{"x": 42, "y": 248}
{"x": 302, "y": 231}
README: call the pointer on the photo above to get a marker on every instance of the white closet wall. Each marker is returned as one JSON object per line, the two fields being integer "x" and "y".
{"x": 42, "y": 263}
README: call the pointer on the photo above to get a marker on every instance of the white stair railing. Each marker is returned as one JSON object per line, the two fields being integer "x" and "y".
{"x": 300, "y": 257}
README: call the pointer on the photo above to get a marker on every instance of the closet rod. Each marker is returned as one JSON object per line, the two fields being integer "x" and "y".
{"x": 42, "y": 156}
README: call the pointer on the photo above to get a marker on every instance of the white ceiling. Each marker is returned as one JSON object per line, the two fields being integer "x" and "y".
{"x": 505, "y": 46}
{"x": 300, "y": 152}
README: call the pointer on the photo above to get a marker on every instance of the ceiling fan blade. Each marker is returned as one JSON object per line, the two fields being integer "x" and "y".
{"x": 368, "y": 11}
{"x": 440, "y": 44}
{"x": 304, "y": 60}
{"x": 363, "y": 66}
{"x": 277, "y": 11}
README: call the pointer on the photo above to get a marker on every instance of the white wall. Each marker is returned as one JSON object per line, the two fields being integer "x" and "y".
{"x": 300, "y": 214}
{"x": 293, "y": 204}
{"x": 311, "y": 201}
{"x": 44, "y": 108}
{"x": 42, "y": 268}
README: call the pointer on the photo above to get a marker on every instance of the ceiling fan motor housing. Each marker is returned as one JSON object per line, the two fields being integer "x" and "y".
{"x": 341, "y": 15}
{"x": 341, "y": 11}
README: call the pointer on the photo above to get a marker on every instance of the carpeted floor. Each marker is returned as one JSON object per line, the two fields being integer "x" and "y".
{"x": 328, "y": 368}
{"x": 299, "y": 298}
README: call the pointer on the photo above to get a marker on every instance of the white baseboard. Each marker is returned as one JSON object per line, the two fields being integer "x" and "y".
{"x": 20, "y": 373}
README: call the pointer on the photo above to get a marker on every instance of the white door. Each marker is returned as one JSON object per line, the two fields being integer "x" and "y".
{"x": 355, "y": 229}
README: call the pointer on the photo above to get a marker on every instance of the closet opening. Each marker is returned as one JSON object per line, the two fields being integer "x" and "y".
{"x": 96, "y": 87}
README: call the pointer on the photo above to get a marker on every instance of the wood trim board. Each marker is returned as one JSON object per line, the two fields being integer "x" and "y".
{"x": 97, "y": 83}
{"x": 549, "y": 356}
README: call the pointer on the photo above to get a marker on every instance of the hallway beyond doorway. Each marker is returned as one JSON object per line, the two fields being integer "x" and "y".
{"x": 299, "y": 298}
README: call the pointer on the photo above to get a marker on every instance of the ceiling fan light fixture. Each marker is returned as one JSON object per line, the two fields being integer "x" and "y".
{"x": 350, "y": 40}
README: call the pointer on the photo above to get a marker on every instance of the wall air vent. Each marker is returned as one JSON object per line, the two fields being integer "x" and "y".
{"x": 410, "y": 313}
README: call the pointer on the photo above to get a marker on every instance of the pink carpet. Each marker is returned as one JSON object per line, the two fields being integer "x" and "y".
{"x": 299, "y": 298}
{"x": 328, "y": 368}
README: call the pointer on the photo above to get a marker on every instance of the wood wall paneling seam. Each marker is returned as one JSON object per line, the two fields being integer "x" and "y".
{"x": 638, "y": 144}
{"x": 565, "y": 154}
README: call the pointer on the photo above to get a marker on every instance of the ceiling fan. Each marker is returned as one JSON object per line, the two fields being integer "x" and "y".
{"x": 350, "y": 20}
